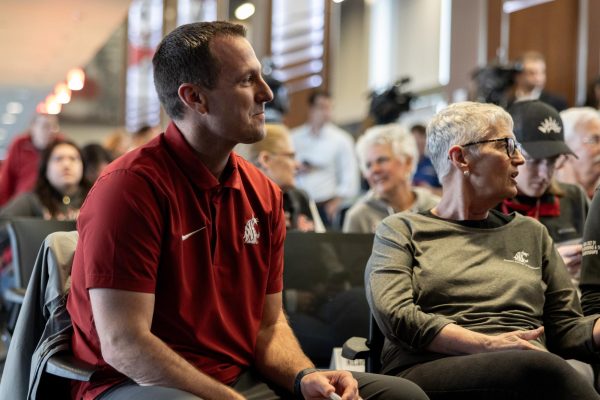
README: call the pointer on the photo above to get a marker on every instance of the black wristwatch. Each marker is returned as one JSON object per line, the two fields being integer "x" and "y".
{"x": 298, "y": 380}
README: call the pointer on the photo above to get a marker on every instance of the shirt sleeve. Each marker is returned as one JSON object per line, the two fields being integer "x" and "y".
{"x": 567, "y": 331}
{"x": 389, "y": 286}
{"x": 120, "y": 227}
{"x": 590, "y": 267}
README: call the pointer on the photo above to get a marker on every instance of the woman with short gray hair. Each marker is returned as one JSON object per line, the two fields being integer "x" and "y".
{"x": 475, "y": 303}
{"x": 387, "y": 155}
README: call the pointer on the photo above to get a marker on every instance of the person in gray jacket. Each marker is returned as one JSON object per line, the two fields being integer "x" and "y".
{"x": 475, "y": 303}
{"x": 387, "y": 155}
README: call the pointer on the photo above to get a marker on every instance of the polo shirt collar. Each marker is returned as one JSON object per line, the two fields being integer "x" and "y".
{"x": 185, "y": 156}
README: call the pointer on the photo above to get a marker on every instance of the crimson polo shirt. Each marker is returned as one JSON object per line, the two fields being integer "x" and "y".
{"x": 20, "y": 168}
{"x": 157, "y": 221}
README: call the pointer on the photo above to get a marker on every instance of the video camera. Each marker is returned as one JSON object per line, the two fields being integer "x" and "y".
{"x": 276, "y": 108}
{"x": 387, "y": 106}
{"x": 493, "y": 80}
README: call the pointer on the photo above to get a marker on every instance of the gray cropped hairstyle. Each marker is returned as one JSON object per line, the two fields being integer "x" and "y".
{"x": 402, "y": 143}
{"x": 458, "y": 124}
{"x": 575, "y": 116}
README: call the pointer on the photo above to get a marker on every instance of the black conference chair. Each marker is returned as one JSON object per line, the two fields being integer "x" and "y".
{"x": 324, "y": 294}
{"x": 26, "y": 235}
{"x": 360, "y": 348}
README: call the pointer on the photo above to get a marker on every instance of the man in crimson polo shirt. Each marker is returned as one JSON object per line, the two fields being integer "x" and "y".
{"x": 177, "y": 277}
{"x": 19, "y": 170}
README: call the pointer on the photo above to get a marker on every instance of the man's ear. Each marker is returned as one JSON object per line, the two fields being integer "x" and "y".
{"x": 193, "y": 97}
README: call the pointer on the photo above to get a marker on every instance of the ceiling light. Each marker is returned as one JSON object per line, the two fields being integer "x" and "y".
{"x": 62, "y": 93}
{"x": 9, "y": 119}
{"x": 52, "y": 105}
{"x": 14, "y": 107}
{"x": 245, "y": 11}
{"x": 75, "y": 79}
{"x": 337, "y": 1}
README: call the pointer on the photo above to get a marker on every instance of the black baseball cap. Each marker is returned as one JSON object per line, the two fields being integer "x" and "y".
{"x": 539, "y": 129}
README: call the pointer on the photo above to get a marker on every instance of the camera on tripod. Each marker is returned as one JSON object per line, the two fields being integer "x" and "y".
{"x": 386, "y": 106}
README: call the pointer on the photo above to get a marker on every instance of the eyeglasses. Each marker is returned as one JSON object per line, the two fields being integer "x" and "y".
{"x": 290, "y": 155}
{"x": 511, "y": 145}
{"x": 591, "y": 139}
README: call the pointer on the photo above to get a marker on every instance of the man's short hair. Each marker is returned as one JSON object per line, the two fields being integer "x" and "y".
{"x": 312, "y": 98}
{"x": 418, "y": 128}
{"x": 531, "y": 55}
{"x": 184, "y": 56}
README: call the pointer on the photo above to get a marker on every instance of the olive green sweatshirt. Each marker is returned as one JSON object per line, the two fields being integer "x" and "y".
{"x": 425, "y": 273}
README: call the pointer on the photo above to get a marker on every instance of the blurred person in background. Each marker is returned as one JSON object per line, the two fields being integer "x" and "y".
{"x": 561, "y": 207}
{"x": 425, "y": 174}
{"x": 142, "y": 136}
{"x": 386, "y": 156}
{"x": 531, "y": 80}
{"x": 593, "y": 94}
{"x": 116, "y": 143}
{"x": 95, "y": 159}
{"x": 582, "y": 134}
{"x": 328, "y": 170}
{"x": 19, "y": 170}
{"x": 275, "y": 156}
{"x": 60, "y": 189}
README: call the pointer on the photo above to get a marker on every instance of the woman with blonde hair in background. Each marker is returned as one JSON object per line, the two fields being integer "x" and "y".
{"x": 275, "y": 156}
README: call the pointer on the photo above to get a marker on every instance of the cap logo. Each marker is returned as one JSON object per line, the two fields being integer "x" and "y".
{"x": 549, "y": 125}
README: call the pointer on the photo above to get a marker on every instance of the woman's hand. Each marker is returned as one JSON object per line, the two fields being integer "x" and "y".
{"x": 515, "y": 340}
{"x": 456, "y": 340}
{"x": 571, "y": 255}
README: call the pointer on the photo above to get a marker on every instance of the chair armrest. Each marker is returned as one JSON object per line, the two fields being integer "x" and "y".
{"x": 355, "y": 348}
{"x": 14, "y": 295}
{"x": 67, "y": 366}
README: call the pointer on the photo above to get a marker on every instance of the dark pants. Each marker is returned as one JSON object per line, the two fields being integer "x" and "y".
{"x": 506, "y": 375}
{"x": 253, "y": 387}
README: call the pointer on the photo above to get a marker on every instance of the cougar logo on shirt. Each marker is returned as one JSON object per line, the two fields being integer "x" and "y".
{"x": 251, "y": 235}
{"x": 521, "y": 257}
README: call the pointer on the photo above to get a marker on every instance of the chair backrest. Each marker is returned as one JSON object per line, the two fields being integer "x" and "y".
{"x": 324, "y": 293}
{"x": 375, "y": 343}
{"x": 26, "y": 237}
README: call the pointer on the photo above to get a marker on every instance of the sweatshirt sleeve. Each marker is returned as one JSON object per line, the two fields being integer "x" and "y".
{"x": 389, "y": 286}
{"x": 567, "y": 331}
{"x": 590, "y": 267}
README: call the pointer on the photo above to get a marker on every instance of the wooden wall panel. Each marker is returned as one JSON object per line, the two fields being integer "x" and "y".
{"x": 593, "y": 59}
{"x": 494, "y": 19}
{"x": 551, "y": 29}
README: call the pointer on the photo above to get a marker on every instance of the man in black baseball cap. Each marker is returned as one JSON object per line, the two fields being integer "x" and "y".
{"x": 561, "y": 207}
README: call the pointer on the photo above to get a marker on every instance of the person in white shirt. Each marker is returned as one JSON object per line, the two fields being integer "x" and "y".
{"x": 328, "y": 168}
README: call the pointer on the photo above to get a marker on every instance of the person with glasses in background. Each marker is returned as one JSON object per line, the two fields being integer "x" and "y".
{"x": 582, "y": 134}
{"x": 275, "y": 156}
{"x": 474, "y": 303}
{"x": 561, "y": 207}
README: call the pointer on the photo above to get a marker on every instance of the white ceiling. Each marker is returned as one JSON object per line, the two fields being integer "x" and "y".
{"x": 40, "y": 40}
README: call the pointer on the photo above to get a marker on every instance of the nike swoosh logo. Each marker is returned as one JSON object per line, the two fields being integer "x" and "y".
{"x": 187, "y": 235}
